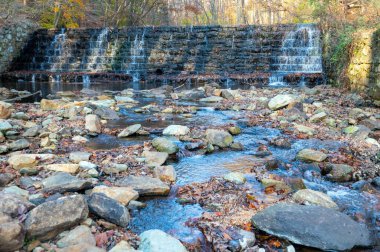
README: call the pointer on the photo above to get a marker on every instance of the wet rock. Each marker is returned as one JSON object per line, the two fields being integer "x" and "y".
{"x": 277, "y": 185}
{"x": 318, "y": 117}
{"x": 52, "y": 217}
{"x": 123, "y": 195}
{"x": 176, "y": 130}
{"x": 79, "y": 235}
{"x": 11, "y": 203}
{"x": 109, "y": 209}
{"x": 280, "y": 101}
{"x": 125, "y": 99}
{"x": 311, "y": 197}
{"x": 312, "y": 226}
{"x": 281, "y": 142}
{"x": 123, "y": 246}
{"x": 310, "y": 155}
{"x": 5, "y": 110}
{"x": 11, "y": 234}
{"x": 235, "y": 177}
{"x": 163, "y": 144}
{"x": 212, "y": 99}
{"x": 157, "y": 241}
{"x": 93, "y": 124}
{"x": 144, "y": 185}
{"x": 219, "y": 138}
{"x": 64, "y": 182}
{"x": 165, "y": 173}
{"x": 234, "y": 130}
{"x": 103, "y": 103}
{"x": 129, "y": 130}
{"x": 78, "y": 156}
{"x": 133, "y": 204}
{"x": 340, "y": 172}
{"x": 376, "y": 181}
{"x": 19, "y": 145}
{"x": 106, "y": 113}
{"x": 69, "y": 168}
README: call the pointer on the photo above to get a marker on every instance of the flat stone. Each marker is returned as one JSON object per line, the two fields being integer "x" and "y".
{"x": 311, "y": 197}
{"x": 104, "y": 103}
{"x": 219, "y": 138}
{"x": 145, "y": 186}
{"x": 157, "y": 241}
{"x": 109, "y": 209}
{"x": 280, "y": 101}
{"x": 64, "y": 182}
{"x": 51, "y": 104}
{"x": 93, "y": 124}
{"x": 318, "y": 117}
{"x": 16, "y": 190}
{"x": 19, "y": 145}
{"x": 50, "y": 218}
{"x": 312, "y": 226}
{"x": 176, "y": 130}
{"x": 79, "y": 235}
{"x": 78, "y": 156}
{"x": 310, "y": 155}
{"x": 163, "y": 144}
{"x": 154, "y": 158}
{"x": 129, "y": 130}
{"x": 304, "y": 129}
{"x": 106, "y": 113}
{"x": 19, "y": 161}
{"x": 125, "y": 99}
{"x": 235, "y": 177}
{"x": 123, "y": 195}
{"x": 69, "y": 168}
{"x": 165, "y": 173}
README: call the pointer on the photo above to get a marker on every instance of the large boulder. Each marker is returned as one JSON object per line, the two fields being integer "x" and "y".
{"x": 311, "y": 197}
{"x": 157, "y": 241}
{"x": 93, "y": 124}
{"x": 50, "y": 218}
{"x": 109, "y": 209}
{"x": 163, "y": 144}
{"x": 176, "y": 130}
{"x": 312, "y": 226}
{"x": 123, "y": 195}
{"x": 129, "y": 130}
{"x": 280, "y": 101}
{"x": 145, "y": 185}
{"x": 310, "y": 155}
{"x": 12, "y": 234}
{"x": 219, "y": 138}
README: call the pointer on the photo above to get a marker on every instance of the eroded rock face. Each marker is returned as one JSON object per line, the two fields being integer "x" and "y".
{"x": 52, "y": 217}
{"x": 312, "y": 226}
{"x": 145, "y": 185}
{"x": 157, "y": 241}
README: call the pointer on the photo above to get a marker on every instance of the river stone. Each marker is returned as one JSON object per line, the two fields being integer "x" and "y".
{"x": 64, "y": 182}
{"x": 162, "y": 144}
{"x": 123, "y": 195}
{"x": 12, "y": 234}
{"x": 317, "y": 117}
{"x": 10, "y": 204}
{"x": 280, "y": 101}
{"x": 145, "y": 186}
{"x": 16, "y": 190}
{"x": 5, "y": 110}
{"x": 106, "y": 113}
{"x": 154, "y": 158}
{"x": 212, "y": 99}
{"x": 165, "y": 173}
{"x": 51, "y": 104}
{"x": 70, "y": 168}
{"x": 78, "y": 156}
{"x": 129, "y": 130}
{"x": 19, "y": 145}
{"x": 123, "y": 246}
{"x": 310, "y": 155}
{"x": 18, "y": 161}
{"x": 176, "y": 130}
{"x": 103, "y": 103}
{"x": 235, "y": 177}
{"x": 311, "y": 197}
{"x": 79, "y": 235}
{"x": 219, "y": 138}
{"x": 93, "y": 124}
{"x": 81, "y": 247}
{"x": 5, "y": 125}
{"x": 109, "y": 209}
{"x": 340, "y": 172}
{"x": 125, "y": 99}
{"x": 304, "y": 129}
{"x": 157, "y": 241}
{"x": 50, "y": 218}
{"x": 312, "y": 226}
{"x": 278, "y": 185}
{"x": 234, "y": 130}
{"x": 5, "y": 178}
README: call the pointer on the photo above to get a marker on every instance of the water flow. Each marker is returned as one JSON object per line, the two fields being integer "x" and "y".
{"x": 98, "y": 50}
{"x": 135, "y": 67}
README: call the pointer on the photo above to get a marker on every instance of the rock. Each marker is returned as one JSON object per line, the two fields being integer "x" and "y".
{"x": 103, "y": 103}
{"x": 69, "y": 168}
{"x": 312, "y": 226}
{"x": 93, "y": 124}
{"x": 106, "y": 113}
{"x": 376, "y": 181}
{"x": 5, "y": 125}
{"x": 145, "y": 186}
{"x": 78, "y": 156}
{"x": 11, "y": 234}
{"x": 19, "y": 145}
{"x": 227, "y": 94}
{"x": 129, "y": 130}
{"x": 340, "y": 172}
{"x": 125, "y": 99}
{"x": 16, "y": 190}
{"x": 3, "y": 149}
{"x": 51, "y": 104}
{"x": 318, "y": 117}
{"x": 162, "y": 144}
{"x": 310, "y": 155}
{"x": 84, "y": 165}
{"x": 19, "y": 161}
{"x": 304, "y": 129}
{"x": 79, "y": 235}
{"x": 109, "y": 209}
{"x": 64, "y": 182}
{"x": 136, "y": 205}
{"x": 235, "y": 177}
{"x": 5, "y": 110}
{"x": 157, "y": 241}
{"x": 154, "y": 158}
{"x": 82, "y": 247}
{"x": 80, "y": 139}
{"x": 219, "y": 138}
{"x": 123, "y": 246}
{"x": 115, "y": 168}
{"x": 5, "y": 178}
{"x": 280, "y": 101}
{"x": 11, "y": 203}
{"x": 176, "y": 130}
{"x": 165, "y": 173}
{"x": 212, "y": 99}
{"x": 234, "y": 130}
{"x": 350, "y": 129}
{"x": 278, "y": 186}
{"x": 311, "y": 197}
{"x": 52, "y": 217}
{"x": 123, "y": 195}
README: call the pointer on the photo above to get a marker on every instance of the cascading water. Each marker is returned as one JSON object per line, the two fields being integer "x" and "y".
{"x": 300, "y": 52}
{"x": 98, "y": 49}
{"x": 137, "y": 57}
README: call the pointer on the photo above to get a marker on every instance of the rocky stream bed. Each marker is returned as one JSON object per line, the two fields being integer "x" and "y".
{"x": 203, "y": 169}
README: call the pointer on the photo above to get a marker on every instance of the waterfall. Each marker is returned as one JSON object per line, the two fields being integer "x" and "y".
{"x": 137, "y": 57}
{"x": 55, "y": 53}
{"x": 97, "y": 56}
{"x": 300, "y": 53}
